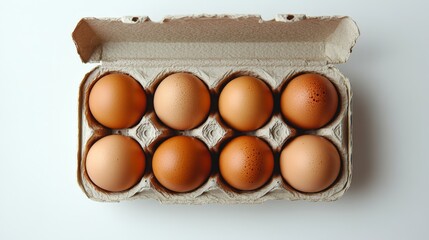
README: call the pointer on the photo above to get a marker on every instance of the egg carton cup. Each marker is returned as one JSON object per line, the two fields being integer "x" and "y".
{"x": 217, "y": 49}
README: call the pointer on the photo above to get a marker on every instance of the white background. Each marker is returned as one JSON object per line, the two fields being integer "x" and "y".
{"x": 40, "y": 72}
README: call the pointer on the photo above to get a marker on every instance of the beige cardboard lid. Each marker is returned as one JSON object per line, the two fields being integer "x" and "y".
{"x": 286, "y": 38}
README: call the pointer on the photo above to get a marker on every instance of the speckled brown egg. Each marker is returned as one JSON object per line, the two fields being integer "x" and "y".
{"x": 309, "y": 101}
{"x": 310, "y": 163}
{"x": 181, "y": 163}
{"x": 117, "y": 101}
{"x": 246, "y": 163}
{"x": 115, "y": 163}
{"x": 182, "y": 101}
{"x": 246, "y": 103}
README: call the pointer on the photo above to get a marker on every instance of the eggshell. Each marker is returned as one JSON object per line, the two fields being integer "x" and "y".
{"x": 182, "y": 101}
{"x": 246, "y": 163}
{"x": 310, "y": 163}
{"x": 117, "y": 101}
{"x": 246, "y": 103}
{"x": 115, "y": 163}
{"x": 181, "y": 163}
{"x": 309, "y": 101}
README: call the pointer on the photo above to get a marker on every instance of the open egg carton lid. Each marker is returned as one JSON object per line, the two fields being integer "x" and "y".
{"x": 289, "y": 39}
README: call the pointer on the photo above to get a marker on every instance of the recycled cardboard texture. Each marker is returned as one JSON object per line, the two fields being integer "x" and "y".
{"x": 216, "y": 49}
{"x": 327, "y": 39}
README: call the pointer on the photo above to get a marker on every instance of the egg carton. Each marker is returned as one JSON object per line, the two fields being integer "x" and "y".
{"x": 216, "y": 49}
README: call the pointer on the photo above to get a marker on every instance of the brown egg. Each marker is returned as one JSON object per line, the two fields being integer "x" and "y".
{"x": 310, "y": 163}
{"x": 246, "y": 163}
{"x": 181, "y": 163}
{"x": 115, "y": 163}
{"x": 309, "y": 101}
{"x": 246, "y": 103}
{"x": 182, "y": 101}
{"x": 117, "y": 101}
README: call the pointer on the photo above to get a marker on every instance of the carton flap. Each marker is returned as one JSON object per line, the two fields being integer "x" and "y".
{"x": 288, "y": 37}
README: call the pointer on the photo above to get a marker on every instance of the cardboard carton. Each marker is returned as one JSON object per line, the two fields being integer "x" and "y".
{"x": 216, "y": 48}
